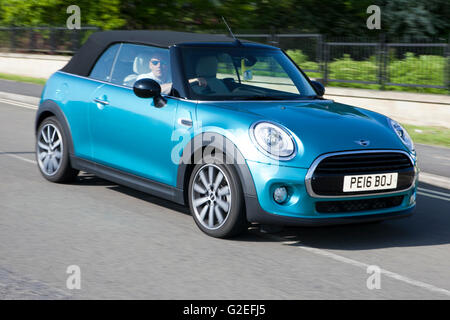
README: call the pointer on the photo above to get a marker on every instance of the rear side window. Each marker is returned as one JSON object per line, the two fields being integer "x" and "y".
{"x": 103, "y": 67}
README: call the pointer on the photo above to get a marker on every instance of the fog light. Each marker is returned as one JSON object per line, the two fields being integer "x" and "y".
{"x": 280, "y": 194}
{"x": 412, "y": 199}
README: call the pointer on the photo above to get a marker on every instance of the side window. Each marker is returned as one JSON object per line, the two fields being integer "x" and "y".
{"x": 136, "y": 62}
{"x": 103, "y": 66}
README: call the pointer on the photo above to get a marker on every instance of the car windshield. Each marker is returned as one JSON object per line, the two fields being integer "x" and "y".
{"x": 242, "y": 73}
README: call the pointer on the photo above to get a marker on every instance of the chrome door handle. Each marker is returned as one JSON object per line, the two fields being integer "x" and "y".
{"x": 185, "y": 122}
{"x": 101, "y": 101}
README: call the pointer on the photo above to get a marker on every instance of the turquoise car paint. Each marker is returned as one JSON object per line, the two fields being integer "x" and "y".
{"x": 74, "y": 95}
{"x": 113, "y": 127}
{"x": 301, "y": 205}
{"x": 318, "y": 127}
{"x": 121, "y": 136}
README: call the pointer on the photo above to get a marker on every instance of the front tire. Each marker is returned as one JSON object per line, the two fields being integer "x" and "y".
{"x": 52, "y": 154}
{"x": 216, "y": 199}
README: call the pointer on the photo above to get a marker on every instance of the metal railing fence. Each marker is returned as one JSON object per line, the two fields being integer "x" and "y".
{"x": 53, "y": 40}
{"x": 371, "y": 63}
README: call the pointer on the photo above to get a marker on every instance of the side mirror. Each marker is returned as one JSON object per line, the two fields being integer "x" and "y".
{"x": 149, "y": 88}
{"x": 250, "y": 61}
{"x": 320, "y": 89}
{"x": 248, "y": 75}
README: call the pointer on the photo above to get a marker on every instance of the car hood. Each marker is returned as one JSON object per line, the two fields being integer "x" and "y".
{"x": 324, "y": 126}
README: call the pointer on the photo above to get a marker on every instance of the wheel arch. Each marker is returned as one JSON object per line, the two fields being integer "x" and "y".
{"x": 50, "y": 108}
{"x": 196, "y": 147}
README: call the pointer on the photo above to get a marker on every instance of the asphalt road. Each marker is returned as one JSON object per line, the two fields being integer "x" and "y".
{"x": 132, "y": 245}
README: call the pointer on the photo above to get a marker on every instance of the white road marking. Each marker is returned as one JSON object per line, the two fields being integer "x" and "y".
{"x": 435, "y": 180}
{"x": 328, "y": 254}
{"x": 359, "y": 264}
{"x": 443, "y": 158}
{"x": 432, "y": 196}
{"x": 434, "y": 191}
{"x": 321, "y": 252}
{"x": 18, "y": 104}
{"x": 12, "y": 155}
{"x": 422, "y": 191}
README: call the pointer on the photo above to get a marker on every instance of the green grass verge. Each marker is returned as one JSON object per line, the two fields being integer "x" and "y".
{"x": 14, "y": 77}
{"x": 429, "y": 135}
{"x": 412, "y": 69}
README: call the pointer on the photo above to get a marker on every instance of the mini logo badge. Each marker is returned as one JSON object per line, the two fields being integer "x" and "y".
{"x": 363, "y": 143}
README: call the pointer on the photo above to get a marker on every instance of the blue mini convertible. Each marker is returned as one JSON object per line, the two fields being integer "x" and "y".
{"x": 233, "y": 129}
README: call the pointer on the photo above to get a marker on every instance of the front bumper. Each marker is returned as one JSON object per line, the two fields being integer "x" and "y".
{"x": 300, "y": 208}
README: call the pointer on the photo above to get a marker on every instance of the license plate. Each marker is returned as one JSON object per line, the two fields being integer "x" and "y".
{"x": 370, "y": 182}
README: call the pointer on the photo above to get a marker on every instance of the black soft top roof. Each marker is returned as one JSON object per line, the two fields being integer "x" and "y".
{"x": 85, "y": 58}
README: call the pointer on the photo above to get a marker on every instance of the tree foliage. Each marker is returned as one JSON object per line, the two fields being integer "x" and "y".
{"x": 413, "y": 19}
{"x": 336, "y": 18}
{"x": 102, "y": 13}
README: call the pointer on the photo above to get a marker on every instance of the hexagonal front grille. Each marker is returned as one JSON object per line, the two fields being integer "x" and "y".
{"x": 328, "y": 176}
{"x": 360, "y": 163}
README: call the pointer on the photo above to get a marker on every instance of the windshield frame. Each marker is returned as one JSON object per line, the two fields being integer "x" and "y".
{"x": 184, "y": 91}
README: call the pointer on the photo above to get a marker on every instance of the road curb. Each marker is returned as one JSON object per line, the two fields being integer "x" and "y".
{"x": 435, "y": 180}
{"x": 20, "y": 98}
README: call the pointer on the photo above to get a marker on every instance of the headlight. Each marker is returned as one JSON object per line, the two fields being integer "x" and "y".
{"x": 402, "y": 134}
{"x": 273, "y": 140}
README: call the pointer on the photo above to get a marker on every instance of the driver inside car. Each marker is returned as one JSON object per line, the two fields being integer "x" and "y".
{"x": 160, "y": 72}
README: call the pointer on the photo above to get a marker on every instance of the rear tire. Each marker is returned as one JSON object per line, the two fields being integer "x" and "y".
{"x": 216, "y": 199}
{"x": 52, "y": 154}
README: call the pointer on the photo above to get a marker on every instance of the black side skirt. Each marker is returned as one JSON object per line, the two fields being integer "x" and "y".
{"x": 129, "y": 180}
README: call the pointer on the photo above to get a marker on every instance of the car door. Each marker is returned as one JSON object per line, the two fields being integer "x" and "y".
{"x": 129, "y": 133}
{"x": 77, "y": 96}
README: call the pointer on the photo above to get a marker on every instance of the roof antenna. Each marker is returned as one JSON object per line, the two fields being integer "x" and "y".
{"x": 231, "y": 32}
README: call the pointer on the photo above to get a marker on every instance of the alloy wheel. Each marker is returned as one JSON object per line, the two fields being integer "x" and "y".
{"x": 211, "y": 196}
{"x": 49, "y": 149}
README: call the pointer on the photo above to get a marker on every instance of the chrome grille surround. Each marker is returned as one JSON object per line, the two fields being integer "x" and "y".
{"x": 319, "y": 159}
